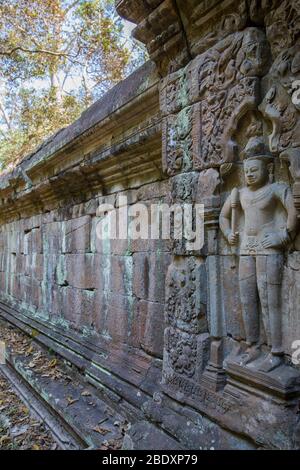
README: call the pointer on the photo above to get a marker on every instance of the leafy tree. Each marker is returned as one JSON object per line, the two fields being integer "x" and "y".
{"x": 56, "y": 58}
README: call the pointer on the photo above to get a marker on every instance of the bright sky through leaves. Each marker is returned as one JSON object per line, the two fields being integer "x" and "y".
{"x": 57, "y": 57}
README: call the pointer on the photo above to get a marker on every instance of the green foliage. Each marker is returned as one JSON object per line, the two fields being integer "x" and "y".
{"x": 39, "y": 117}
{"x": 56, "y": 58}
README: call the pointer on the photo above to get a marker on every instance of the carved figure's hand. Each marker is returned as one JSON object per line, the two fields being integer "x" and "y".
{"x": 275, "y": 240}
{"x": 233, "y": 238}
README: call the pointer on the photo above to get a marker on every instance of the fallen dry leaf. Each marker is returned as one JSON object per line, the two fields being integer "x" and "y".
{"x": 53, "y": 363}
{"x": 71, "y": 400}
{"x": 29, "y": 351}
{"x": 100, "y": 430}
{"x": 4, "y": 439}
{"x": 24, "y": 410}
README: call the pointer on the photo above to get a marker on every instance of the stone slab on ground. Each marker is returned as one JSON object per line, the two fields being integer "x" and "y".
{"x": 145, "y": 436}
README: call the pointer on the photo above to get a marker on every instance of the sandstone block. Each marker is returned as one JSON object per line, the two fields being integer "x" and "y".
{"x": 77, "y": 235}
{"x": 147, "y": 327}
{"x": 82, "y": 271}
{"x": 149, "y": 272}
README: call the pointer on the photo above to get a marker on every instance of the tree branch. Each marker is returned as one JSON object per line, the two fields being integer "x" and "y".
{"x": 32, "y": 51}
{"x": 5, "y": 115}
{"x": 70, "y": 7}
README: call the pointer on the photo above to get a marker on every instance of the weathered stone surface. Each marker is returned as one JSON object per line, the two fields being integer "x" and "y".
{"x": 120, "y": 311}
{"x": 81, "y": 271}
{"x": 145, "y": 436}
{"x": 149, "y": 275}
{"x": 143, "y": 317}
{"x": 147, "y": 328}
{"x": 79, "y": 306}
{"x": 77, "y": 235}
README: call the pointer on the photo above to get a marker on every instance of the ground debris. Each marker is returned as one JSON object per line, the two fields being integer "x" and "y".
{"x": 65, "y": 392}
{"x": 112, "y": 444}
{"x": 101, "y": 430}
{"x": 19, "y": 430}
{"x": 19, "y": 344}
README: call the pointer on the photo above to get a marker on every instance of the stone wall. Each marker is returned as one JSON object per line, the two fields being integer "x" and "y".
{"x": 197, "y": 343}
{"x": 90, "y": 299}
{"x": 54, "y": 267}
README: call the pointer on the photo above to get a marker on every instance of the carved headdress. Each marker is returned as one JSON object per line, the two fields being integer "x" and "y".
{"x": 257, "y": 149}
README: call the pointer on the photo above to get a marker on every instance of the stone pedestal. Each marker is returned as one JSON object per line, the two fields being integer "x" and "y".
{"x": 282, "y": 384}
{"x": 214, "y": 376}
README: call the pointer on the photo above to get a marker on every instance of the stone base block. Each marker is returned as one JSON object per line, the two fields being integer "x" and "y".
{"x": 282, "y": 382}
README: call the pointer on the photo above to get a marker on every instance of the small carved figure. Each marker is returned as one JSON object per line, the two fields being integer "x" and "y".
{"x": 269, "y": 227}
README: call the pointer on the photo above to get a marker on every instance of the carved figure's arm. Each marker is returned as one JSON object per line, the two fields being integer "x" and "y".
{"x": 224, "y": 219}
{"x": 287, "y": 201}
{"x": 285, "y": 236}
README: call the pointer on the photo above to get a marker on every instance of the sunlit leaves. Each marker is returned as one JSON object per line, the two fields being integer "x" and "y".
{"x": 57, "y": 57}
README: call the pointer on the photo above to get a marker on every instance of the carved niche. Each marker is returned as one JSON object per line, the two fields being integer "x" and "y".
{"x": 228, "y": 86}
{"x": 215, "y": 90}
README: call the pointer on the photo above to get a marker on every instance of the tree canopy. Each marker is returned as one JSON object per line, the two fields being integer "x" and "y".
{"x": 56, "y": 58}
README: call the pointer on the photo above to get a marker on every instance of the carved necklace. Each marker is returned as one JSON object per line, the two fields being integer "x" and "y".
{"x": 261, "y": 194}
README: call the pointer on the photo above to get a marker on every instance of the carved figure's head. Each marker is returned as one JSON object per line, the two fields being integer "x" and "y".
{"x": 256, "y": 56}
{"x": 257, "y": 163}
{"x": 256, "y": 172}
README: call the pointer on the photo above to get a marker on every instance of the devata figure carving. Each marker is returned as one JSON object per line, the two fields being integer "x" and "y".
{"x": 269, "y": 227}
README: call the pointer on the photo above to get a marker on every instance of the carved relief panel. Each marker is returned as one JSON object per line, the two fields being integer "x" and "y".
{"x": 186, "y": 336}
{"x": 224, "y": 85}
{"x": 185, "y": 306}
